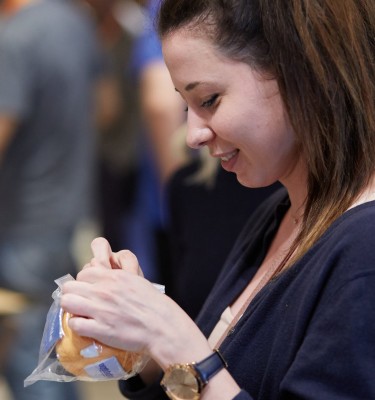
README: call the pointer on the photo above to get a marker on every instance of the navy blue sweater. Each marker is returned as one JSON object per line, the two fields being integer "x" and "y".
{"x": 310, "y": 333}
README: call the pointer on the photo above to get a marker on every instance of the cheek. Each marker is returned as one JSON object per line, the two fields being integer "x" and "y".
{"x": 233, "y": 127}
{"x": 269, "y": 150}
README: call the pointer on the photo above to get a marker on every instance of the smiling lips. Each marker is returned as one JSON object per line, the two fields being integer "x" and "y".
{"x": 228, "y": 156}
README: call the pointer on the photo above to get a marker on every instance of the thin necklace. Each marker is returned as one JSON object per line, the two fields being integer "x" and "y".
{"x": 295, "y": 217}
{"x": 263, "y": 282}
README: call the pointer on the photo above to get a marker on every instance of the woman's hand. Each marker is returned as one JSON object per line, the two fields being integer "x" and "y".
{"x": 105, "y": 257}
{"x": 115, "y": 305}
{"x": 109, "y": 302}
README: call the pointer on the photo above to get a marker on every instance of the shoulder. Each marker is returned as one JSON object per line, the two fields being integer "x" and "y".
{"x": 345, "y": 265}
{"x": 354, "y": 231}
{"x": 345, "y": 254}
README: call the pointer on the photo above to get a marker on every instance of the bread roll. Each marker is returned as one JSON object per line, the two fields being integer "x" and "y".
{"x": 69, "y": 352}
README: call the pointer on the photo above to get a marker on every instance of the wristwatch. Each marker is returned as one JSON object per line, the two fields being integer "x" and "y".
{"x": 186, "y": 381}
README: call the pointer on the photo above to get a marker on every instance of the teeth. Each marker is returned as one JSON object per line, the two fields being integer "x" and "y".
{"x": 229, "y": 156}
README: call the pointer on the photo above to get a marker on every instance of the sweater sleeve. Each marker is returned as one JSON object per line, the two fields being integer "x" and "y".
{"x": 336, "y": 359}
{"x": 243, "y": 396}
{"x": 135, "y": 389}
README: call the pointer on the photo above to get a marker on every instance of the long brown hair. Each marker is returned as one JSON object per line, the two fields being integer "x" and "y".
{"x": 322, "y": 53}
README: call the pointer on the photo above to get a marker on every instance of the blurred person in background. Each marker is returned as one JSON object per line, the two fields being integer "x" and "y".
{"x": 162, "y": 107}
{"x": 162, "y": 113}
{"x": 136, "y": 102}
{"x": 118, "y": 23}
{"x": 48, "y": 65}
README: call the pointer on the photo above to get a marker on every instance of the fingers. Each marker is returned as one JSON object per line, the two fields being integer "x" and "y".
{"x": 83, "y": 326}
{"x": 92, "y": 275}
{"x": 128, "y": 261}
{"x": 104, "y": 257}
{"x": 76, "y": 304}
{"x": 102, "y": 253}
{"x": 92, "y": 290}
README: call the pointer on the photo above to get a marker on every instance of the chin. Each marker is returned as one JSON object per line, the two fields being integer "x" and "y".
{"x": 254, "y": 183}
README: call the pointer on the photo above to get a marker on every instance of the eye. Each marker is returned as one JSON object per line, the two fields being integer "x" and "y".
{"x": 210, "y": 102}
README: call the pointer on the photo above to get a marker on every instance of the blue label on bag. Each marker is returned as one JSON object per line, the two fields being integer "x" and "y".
{"x": 106, "y": 369}
{"x": 52, "y": 331}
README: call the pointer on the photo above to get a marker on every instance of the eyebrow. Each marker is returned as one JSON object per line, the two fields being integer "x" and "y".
{"x": 189, "y": 86}
{"x": 192, "y": 85}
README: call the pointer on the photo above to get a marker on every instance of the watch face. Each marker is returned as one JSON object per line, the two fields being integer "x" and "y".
{"x": 180, "y": 383}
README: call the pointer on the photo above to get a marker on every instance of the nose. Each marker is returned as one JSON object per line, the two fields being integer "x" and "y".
{"x": 198, "y": 132}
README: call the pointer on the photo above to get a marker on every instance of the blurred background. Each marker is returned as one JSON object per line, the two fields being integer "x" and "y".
{"x": 75, "y": 163}
{"x": 88, "y": 391}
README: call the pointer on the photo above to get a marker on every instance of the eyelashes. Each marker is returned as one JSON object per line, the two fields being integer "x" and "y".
{"x": 208, "y": 103}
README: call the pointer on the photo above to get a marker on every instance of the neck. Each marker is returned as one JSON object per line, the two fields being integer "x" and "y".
{"x": 296, "y": 185}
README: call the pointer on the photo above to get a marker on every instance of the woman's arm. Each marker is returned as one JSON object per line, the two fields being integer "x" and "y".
{"x": 120, "y": 308}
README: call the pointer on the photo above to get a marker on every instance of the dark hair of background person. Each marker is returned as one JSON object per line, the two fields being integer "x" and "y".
{"x": 327, "y": 84}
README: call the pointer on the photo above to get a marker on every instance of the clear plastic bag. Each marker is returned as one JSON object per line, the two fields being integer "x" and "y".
{"x": 66, "y": 357}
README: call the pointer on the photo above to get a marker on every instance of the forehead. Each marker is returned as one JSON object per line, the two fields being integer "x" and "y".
{"x": 187, "y": 54}
{"x": 182, "y": 44}
{"x": 193, "y": 59}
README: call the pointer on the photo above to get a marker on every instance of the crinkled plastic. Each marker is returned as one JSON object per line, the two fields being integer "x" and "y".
{"x": 84, "y": 359}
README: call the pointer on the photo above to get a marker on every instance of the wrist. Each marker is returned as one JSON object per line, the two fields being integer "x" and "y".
{"x": 187, "y": 381}
{"x": 178, "y": 343}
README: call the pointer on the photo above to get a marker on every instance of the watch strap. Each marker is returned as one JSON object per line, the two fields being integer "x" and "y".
{"x": 210, "y": 366}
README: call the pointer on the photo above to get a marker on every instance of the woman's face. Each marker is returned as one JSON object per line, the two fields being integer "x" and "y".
{"x": 233, "y": 110}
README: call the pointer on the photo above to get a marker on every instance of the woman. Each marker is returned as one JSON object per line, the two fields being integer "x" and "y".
{"x": 279, "y": 91}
